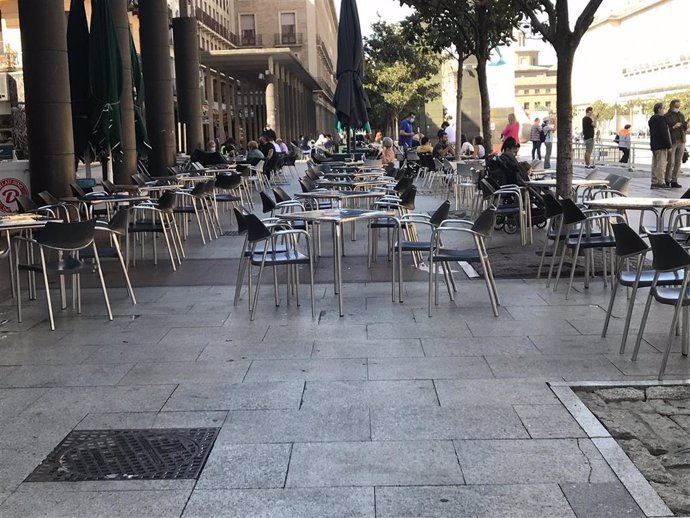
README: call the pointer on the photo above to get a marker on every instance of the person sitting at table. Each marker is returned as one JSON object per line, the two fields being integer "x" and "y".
{"x": 478, "y": 150}
{"x": 466, "y": 148}
{"x": 255, "y": 155}
{"x": 504, "y": 169}
{"x": 443, "y": 149}
{"x": 424, "y": 147}
{"x": 387, "y": 153}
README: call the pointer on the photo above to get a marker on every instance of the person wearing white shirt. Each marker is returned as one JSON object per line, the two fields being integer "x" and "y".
{"x": 548, "y": 130}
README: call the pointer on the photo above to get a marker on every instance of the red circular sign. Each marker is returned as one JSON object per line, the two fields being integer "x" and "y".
{"x": 10, "y": 188}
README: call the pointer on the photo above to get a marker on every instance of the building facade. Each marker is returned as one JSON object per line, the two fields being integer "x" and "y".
{"x": 535, "y": 84}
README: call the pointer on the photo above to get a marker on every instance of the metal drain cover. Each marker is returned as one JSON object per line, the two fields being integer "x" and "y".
{"x": 155, "y": 454}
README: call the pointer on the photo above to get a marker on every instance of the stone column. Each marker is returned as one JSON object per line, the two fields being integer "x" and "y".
{"x": 160, "y": 107}
{"x": 123, "y": 170}
{"x": 187, "y": 77}
{"x": 211, "y": 106}
{"x": 273, "y": 116}
{"x": 48, "y": 106}
{"x": 221, "y": 110}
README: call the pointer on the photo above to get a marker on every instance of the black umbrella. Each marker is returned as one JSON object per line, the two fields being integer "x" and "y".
{"x": 105, "y": 85}
{"x": 350, "y": 100}
{"x": 143, "y": 145}
{"x": 78, "y": 58}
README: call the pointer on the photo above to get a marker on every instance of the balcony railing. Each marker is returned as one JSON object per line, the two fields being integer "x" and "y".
{"x": 288, "y": 38}
{"x": 216, "y": 27}
{"x": 251, "y": 40}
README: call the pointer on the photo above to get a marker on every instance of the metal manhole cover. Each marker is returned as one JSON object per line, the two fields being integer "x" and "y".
{"x": 156, "y": 454}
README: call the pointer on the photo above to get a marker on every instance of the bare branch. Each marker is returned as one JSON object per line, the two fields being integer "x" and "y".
{"x": 585, "y": 20}
{"x": 547, "y": 31}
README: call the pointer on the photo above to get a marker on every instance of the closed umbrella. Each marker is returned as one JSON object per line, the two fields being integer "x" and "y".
{"x": 105, "y": 85}
{"x": 350, "y": 100}
{"x": 143, "y": 145}
{"x": 78, "y": 59}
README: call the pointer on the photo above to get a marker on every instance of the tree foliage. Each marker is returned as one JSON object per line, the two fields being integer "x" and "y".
{"x": 603, "y": 111}
{"x": 398, "y": 74}
{"x": 551, "y": 20}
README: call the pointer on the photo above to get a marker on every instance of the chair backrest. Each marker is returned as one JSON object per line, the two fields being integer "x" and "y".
{"x": 484, "y": 224}
{"x": 486, "y": 188}
{"x": 668, "y": 253}
{"x": 408, "y": 197}
{"x": 403, "y": 184}
{"x": 48, "y": 198}
{"x": 441, "y": 214}
{"x": 77, "y": 190}
{"x": 25, "y": 204}
{"x": 167, "y": 201}
{"x": 241, "y": 222}
{"x": 620, "y": 184}
{"x": 280, "y": 194}
{"x": 628, "y": 242}
{"x": 138, "y": 180}
{"x": 199, "y": 189}
{"x": 312, "y": 175}
{"x": 267, "y": 204}
{"x": 108, "y": 186}
{"x": 210, "y": 186}
{"x": 464, "y": 169}
{"x": 571, "y": 212}
{"x": 685, "y": 195}
{"x": 67, "y": 236}
{"x": 427, "y": 161}
{"x": 552, "y": 207}
{"x": 256, "y": 230}
{"x": 228, "y": 181}
{"x": 592, "y": 175}
{"x": 438, "y": 165}
{"x": 119, "y": 223}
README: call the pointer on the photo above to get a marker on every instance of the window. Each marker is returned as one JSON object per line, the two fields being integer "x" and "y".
{"x": 525, "y": 91}
{"x": 288, "y": 29}
{"x": 525, "y": 106}
{"x": 248, "y": 29}
{"x": 547, "y": 104}
{"x": 537, "y": 90}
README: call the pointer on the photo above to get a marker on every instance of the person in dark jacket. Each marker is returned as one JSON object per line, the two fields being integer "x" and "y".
{"x": 660, "y": 142}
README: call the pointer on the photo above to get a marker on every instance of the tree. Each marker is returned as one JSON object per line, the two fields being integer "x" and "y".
{"x": 603, "y": 111}
{"x": 471, "y": 27}
{"x": 441, "y": 32}
{"x": 551, "y": 19}
{"x": 398, "y": 75}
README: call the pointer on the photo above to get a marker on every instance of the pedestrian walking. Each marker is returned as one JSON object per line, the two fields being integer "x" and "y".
{"x": 547, "y": 129}
{"x": 624, "y": 143}
{"x": 512, "y": 129}
{"x": 588, "y": 125}
{"x": 678, "y": 126}
{"x": 406, "y": 131}
{"x": 660, "y": 142}
{"x": 535, "y": 137}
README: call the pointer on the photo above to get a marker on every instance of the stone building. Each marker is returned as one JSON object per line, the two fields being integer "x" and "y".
{"x": 535, "y": 84}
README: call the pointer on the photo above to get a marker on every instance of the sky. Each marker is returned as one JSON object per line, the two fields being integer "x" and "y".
{"x": 390, "y": 10}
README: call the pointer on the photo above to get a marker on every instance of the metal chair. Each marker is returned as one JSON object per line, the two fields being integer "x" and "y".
{"x": 195, "y": 204}
{"x": 67, "y": 238}
{"x": 668, "y": 256}
{"x": 629, "y": 245}
{"x": 553, "y": 211}
{"x": 292, "y": 258}
{"x": 441, "y": 252}
{"x": 161, "y": 221}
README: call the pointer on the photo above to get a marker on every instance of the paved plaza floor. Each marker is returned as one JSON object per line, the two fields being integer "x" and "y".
{"x": 384, "y": 412}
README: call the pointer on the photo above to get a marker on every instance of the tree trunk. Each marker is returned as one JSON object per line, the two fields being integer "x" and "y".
{"x": 458, "y": 111}
{"x": 486, "y": 103}
{"x": 564, "y": 103}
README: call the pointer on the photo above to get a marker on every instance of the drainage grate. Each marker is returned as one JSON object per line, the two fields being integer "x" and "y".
{"x": 156, "y": 454}
{"x": 231, "y": 233}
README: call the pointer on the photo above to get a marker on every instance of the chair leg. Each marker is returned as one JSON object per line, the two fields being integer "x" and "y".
{"x": 643, "y": 322}
{"x": 130, "y": 290}
{"x": 258, "y": 282}
{"x": 609, "y": 310}
{"x": 576, "y": 253}
{"x": 45, "y": 282}
{"x": 631, "y": 304}
{"x": 100, "y": 275}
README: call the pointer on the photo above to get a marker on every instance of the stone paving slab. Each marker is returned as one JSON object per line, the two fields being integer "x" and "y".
{"x": 374, "y": 464}
{"x": 548, "y": 422}
{"x": 246, "y": 466}
{"x": 601, "y": 500}
{"x": 437, "y": 423}
{"x": 195, "y": 335}
{"x": 59, "y": 504}
{"x": 516, "y": 501}
{"x": 15, "y": 401}
{"x": 271, "y": 426}
{"x": 236, "y": 396}
{"x": 282, "y": 503}
{"x": 63, "y": 375}
{"x": 587, "y": 367}
{"x": 357, "y": 348}
{"x": 161, "y": 373}
{"x": 423, "y": 329}
{"x": 491, "y": 392}
{"x": 532, "y": 461}
{"x": 307, "y": 370}
{"x": 586, "y": 345}
{"x": 457, "y": 367}
{"x": 478, "y": 346}
{"x": 128, "y": 353}
{"x": 257, "y": 351}
{"x": 324, "y": 394}
{"x": 47, "y": 354}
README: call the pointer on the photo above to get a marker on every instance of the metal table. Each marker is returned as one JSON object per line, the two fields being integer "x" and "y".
{"x": 337, "y": 217}
{"x": 656, "y": 205}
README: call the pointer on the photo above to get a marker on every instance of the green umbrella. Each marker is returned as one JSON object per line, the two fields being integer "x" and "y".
{"x": 143, "y": 145}
{"x": 105, "y": 84}
{"x": 78, "y": 58}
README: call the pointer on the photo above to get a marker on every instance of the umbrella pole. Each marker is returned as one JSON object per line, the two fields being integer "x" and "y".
{"x": 87, "y": 163}
{"x": 347, "y": 137}
{"x": 110, "y": 164}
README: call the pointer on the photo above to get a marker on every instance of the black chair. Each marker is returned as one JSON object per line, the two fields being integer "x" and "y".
{"x": 161, "y": 221}
{"x": 553, "y": 211}
{"x": 280, "y": 195}
{"x": 116, "y": 229}
{"x": 668, "y": 257}
{"x": 441, "y": 252}
{"x": 592, "y": 232}
{"x": 229, "y": 190}
{"x": 194, "y": 204}
{"x": 629, "y": 245}
{"x": 68, "y": 239}
{"x": 415, "y": 247}
{"x": 212, "y": 207}
{"x": 259, "y": 234}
